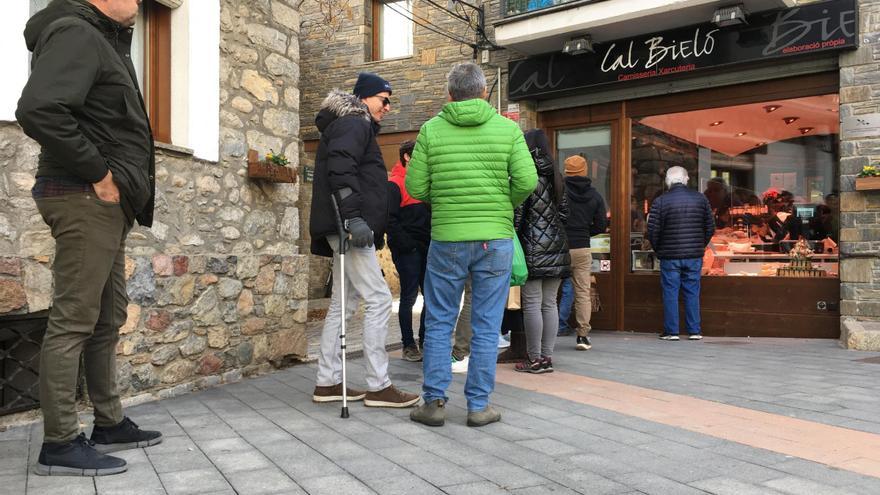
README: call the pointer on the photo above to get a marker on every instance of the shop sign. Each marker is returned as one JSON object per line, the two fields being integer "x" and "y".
{"x": 867, "y": 125}
{"x": 512, "y": 112}
{"x": 768, "y": 35}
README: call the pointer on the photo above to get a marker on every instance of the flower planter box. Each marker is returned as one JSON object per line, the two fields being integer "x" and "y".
{"x": 269, "y": 172}
{"x": 867, "y": 183}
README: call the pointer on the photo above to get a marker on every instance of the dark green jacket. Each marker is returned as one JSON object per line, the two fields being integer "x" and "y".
{"x": 83, "y": 105}
{"x": 472, "y": 165}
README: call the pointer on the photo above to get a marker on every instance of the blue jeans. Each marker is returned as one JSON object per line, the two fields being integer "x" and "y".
{"x": 565, "y": 302}
{"x": 684, "y": 274}
{"x": 411, "y": 271}
{"x": 449, "y": 263}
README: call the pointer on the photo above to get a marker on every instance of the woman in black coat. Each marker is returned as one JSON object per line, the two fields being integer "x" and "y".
{"x": 540, "y": 224}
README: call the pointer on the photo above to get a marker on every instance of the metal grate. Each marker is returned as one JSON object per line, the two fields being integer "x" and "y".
{"x": 20, "y": 340}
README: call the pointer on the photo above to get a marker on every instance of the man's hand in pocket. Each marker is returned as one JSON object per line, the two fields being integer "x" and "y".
{"x": 106, "y": 189}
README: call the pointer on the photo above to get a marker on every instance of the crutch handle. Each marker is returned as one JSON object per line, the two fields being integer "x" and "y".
{"x": 340, "y": 225}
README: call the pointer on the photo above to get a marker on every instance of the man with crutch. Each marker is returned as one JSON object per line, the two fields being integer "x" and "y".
{"x": 350, "y": 177}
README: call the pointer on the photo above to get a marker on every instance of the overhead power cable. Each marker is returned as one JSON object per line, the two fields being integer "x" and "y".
{"x": 428, "y": 25}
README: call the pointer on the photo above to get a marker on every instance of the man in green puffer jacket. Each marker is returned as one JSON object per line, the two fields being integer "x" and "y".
{"x": 473, "y": 167}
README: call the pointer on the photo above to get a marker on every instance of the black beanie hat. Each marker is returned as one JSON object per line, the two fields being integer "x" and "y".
{"x": 368, "y": 84}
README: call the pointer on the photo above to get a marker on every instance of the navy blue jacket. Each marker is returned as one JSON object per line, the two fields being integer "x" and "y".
{"x": 680, "y": 224}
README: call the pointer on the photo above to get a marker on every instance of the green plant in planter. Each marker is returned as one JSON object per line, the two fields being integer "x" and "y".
{"x": 870, "y": 171}
{"x": 277, "y": 159}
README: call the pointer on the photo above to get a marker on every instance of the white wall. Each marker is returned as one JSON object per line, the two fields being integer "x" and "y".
{"x": 14, "y": 57}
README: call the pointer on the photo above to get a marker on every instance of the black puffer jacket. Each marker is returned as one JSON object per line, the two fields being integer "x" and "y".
{"x": 83, "y": 105}
{"x": 680, "y": 224}
{"x": 586, "y": 215}
{"x": 348, "y": 157}
{"x": 540, "y": 221}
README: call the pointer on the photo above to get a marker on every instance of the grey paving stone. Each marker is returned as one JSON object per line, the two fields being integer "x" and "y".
{"x": 798, "y": 486}
{"x": 140, "y": 480}
{"x": 403, "y": 485}
{"x": 371, "y": 467}
{"x": 653, "y": 484}
{"x": 334, "y": 485}
{"x": 174, "y": 444}
{"x": 223, "y": 445}
{"x": 14, "y": 483}
{"x": 549, "y": 446}
{"x": 819, "y": 473}
{"x": 305, "y": 466}
{"x": 263, "y": 481}
{"x": 479, "y": 488}
{"x": 179, "y": 461}
{"x": 68, "y": 485}
{"x": 549, "y": 488}
{"x": 728, "y": 486}
{"x": 443, "y": 473}
{"x": 245, "y": 460}
{"x": 509, "y": 476}
{"x": 194, "y": 481}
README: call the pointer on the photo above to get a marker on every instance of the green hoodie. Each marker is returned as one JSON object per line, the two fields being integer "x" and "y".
{"x": 472, "y": 165}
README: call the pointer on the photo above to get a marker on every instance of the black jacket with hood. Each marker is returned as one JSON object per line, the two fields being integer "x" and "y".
{"x": 83, "y": 105}
{"x": 540, "y": 219}
{"x": 348, "y": 163}
{"x": 586, "y": 209}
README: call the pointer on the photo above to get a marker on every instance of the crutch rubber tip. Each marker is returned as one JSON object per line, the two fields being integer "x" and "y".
{"x": 344, "y": 412}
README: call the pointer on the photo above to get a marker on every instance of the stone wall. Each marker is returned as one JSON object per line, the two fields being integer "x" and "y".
{"x": 217, "y": 288}
{"x": 860, "y": 210}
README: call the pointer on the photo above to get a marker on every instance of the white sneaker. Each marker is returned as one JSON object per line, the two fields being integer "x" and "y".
{"x": 504, "y": 341}
{"x": 460, "y": 366}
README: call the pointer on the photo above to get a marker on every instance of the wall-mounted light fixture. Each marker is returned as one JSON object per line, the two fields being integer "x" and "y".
{"x": 789, "y": 120}
{"x": 772, "y": 108}
{"x": 732, "y": 15}
{"x": 578, "y": 45}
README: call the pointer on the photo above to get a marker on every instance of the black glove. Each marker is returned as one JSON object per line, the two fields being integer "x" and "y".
{"x": 361, "y": 235}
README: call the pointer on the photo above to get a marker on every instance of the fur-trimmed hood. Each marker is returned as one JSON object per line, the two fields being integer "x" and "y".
{"x": 340, "y": 104}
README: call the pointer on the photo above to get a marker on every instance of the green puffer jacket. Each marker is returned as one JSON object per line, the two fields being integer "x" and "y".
{"x": 472, "y": 165}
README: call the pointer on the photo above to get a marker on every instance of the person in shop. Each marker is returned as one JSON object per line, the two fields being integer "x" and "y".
{"x": 680, "y": 226}
{"x": 540, "y": 224}
{"x": 785, "y": 225}
{"x": 409, "y": 235}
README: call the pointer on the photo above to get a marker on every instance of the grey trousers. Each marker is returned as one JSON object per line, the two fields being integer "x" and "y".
{"x": 88, "y": 307}
{"x": 363, "y": 281}
{"x": 540, "y": 315}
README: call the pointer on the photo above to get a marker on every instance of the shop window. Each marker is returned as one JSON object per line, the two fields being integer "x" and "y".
{"x": 392, "y": 29}
{"x": 769, "y": 171}
{"x": 593, "y": 144}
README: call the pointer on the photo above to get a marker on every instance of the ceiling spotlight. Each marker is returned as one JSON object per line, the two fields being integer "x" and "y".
{"x": 805, "y": 130}
{"x": 762, "y": 143}
{"x": 772, "y": 108}
{"x": 789, "y": 120}
{"x": 741, "y": 134}
{"x": 716, "y": 123}
{"x": 732, "y": 15}
{"x": 578, "y": 45}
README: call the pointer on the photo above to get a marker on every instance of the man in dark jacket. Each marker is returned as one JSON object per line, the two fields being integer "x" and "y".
{"x": 586, "y": 218}
{"x": 95, "y": 177}
{"x": 409, "y": 235}
{"x": 350, "y": 171}
{"x": 680, "y": 225}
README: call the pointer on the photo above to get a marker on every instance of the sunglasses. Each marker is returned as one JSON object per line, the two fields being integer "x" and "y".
{"x": 385, "y": 102}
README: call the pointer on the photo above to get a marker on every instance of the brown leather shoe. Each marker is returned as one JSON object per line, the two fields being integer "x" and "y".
{"x": 333, "y": 393}
{"x": 390, "y": 396}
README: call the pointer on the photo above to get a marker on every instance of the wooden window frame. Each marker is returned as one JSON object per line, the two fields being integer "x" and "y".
{"x": 157, "y": 69}
{"x": 376, "y": 7}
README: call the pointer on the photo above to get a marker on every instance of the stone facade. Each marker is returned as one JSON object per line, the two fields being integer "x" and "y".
{"x": 860, "y": 210}
{"x": 217, "y": 288}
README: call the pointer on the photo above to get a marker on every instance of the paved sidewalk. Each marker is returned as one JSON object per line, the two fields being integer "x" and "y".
{"x": 264, "y": 435}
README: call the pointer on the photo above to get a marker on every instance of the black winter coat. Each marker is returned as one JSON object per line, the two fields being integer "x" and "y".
{"x": 348, "y": 157}
{"x": 586, "y": 212}
{"x": 83, "y": 105}
{"x": 540, "y": 223}
{"x": 680, "y": 224}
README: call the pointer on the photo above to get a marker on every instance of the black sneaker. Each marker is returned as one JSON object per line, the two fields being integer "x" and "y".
{"x": 125, "y": 435}
{"x": 546, "y": 364}
{"x": 77, "y": 457}
{"x": 583, "y": 344}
